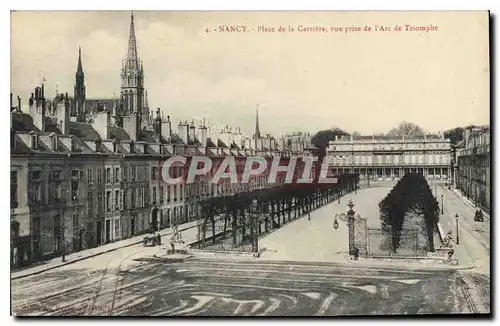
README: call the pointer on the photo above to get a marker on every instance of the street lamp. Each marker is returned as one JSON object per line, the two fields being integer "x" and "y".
{"x": 335, "y": 223}
{"x": 442, "y": 207}
{"x": 456, "y": 222}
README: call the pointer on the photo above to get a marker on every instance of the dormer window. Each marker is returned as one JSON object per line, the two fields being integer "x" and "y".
{"x": 34, "y": 142}
{"x": 132, "y": 150}
{"x": 115, "y": 147}
{"x": 54, "y": 141}
{"x": 12, "y": 139}
{"x": 73, "y": 145}
{"x": 145, "y": 148}
{"x": 98, "y": 145}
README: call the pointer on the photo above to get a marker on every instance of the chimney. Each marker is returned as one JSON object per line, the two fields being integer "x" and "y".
{"x": 203, "y": 134}
{"x": 101, "y": 123}
{"x": 182, "y": 130}
{"x": 19, "y": 103}
{"x": 131, "y": 124}
{"x": 62, "y": 114}
{"x": 192, "y": 132}
{"x": 166, "y": 128}
{"x": 11, "y": 101}
{"x": 37, "y": 109}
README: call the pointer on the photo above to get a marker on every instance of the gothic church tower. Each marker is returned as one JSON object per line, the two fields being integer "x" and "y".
{"x": 132, "y": 77}
{"x": 77, "y": 109}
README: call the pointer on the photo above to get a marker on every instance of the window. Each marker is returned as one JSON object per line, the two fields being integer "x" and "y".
{"x": 74, "y": 190}
{"x": 115, "y": 147}
{"x": 139, "y": 173}
{"x": 168, "y": 194}
{"x": 125, "y": 206}
{"x": 125, "y": 173}
{"x": 36, "y": 193}
{"x": 117, "y": 199}
{"x": 154, "y": 195}
{"x": 99, "y": 175}
{"x": 117, "y": 228}
{"x": 108, "y": 175}
{"x": 117, "y": 175}
{"x": 13, "y": 190}
{"x": 54, "y": 143}
{"x": 76, "y": 222}
{"x": 153, "y": 173}
{"x": 161, "y": 195}
{"x": 74, "y": 174}
{"x": 57, "y": 191}
{"x": 12, "y": 139}
{"x": 34, "y": 142}
{"x": 140, "y": 197}
{"x": 73, "y": 145}
{"x": 134, "y": 171}
{"x": 89, "y": 175}
{"x": 108, "y": 201}
{"x": 100, "y": 202}
{"x": 133, "y": 199}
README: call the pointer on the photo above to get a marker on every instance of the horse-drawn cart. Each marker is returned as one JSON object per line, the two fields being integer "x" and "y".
{"x": 151, "y": 240}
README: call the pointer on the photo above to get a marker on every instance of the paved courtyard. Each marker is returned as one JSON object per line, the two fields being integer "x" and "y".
{"x": 316, "y": 239}
{"x": 227, "y": 288}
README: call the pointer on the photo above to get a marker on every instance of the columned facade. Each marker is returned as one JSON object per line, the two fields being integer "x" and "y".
{"x": 387, "y": 158}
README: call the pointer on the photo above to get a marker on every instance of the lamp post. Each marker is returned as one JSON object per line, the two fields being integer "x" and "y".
{"x": 350, "y": 224}
{"x": 442, "y": 203}
{"x": 456, "y": 222}
{"x": 63, "y": 244}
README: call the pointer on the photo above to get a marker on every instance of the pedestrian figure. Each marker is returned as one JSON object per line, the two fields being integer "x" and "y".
{"x": 159, "y": 238}
{"x": 309, "y": 216}
{"x": 356, "y": 253}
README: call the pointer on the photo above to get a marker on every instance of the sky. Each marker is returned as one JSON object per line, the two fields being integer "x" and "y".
{"x": 365, "y": 81}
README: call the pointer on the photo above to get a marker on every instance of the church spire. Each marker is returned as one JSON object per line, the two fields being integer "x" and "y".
{"x": 257, "y": 130}
{"x": 132, "y": 57}
{"x": 79, "y": 69}
{"x": 77, "y": 109}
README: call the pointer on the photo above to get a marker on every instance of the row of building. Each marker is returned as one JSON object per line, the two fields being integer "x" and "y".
{"x": 473, "y": 166}
{"x": 85, "y": 172}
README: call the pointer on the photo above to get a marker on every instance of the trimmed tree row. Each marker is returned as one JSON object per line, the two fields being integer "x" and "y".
{"x": 275, "y": 206}
{"x": 411, "y": 195}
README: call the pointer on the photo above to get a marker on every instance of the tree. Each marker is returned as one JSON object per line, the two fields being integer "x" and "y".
{"x": 355, "y": 134}
{"x": 455, "y": 135}
{"x": 406, "y": 129}
{"x": 323, "y": 137}
{"x": 411, "y": 194}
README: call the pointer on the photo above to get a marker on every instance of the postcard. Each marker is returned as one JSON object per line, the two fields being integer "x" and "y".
{"x": 250, "y": 163}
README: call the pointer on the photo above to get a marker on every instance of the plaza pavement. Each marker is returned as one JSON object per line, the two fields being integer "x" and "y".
{"x": 200, "y": 287}
{"x": 316, "y": 239}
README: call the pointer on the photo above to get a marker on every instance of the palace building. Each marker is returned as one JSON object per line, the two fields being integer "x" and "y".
{"x": 386, "y": 157}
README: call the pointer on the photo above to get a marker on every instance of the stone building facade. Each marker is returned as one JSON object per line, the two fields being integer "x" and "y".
{"x": 385, "y": 157}
{"x": 473, "y": 175}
